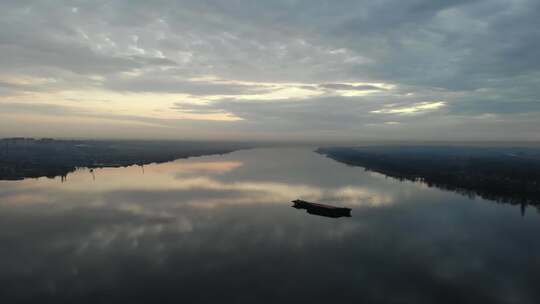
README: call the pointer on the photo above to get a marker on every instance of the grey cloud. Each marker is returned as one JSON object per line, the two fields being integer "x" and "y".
{"x": 196, "y": 108}
{"x": 150, "y": 123}
{"x": 73, "y": 111}
{"x": 495, "y": 106}
{"x": 8, "y": 88}
{"x": 158, "y": 61}
{"x": 339, "y": 117}
{"x": 420, "y": 42}
{"x": 317, "y": 114}
{"x": 47, "y": 109}
{"x": 160, "y": 83}
{"x": 75, "y": 59}
{"x": 348, "y": 87}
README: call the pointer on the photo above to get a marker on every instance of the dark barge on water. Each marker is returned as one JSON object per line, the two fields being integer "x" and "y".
{"x": 322, "y": 209}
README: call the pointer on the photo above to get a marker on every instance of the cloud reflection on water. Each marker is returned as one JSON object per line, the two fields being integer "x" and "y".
{"x": 191, "y": 182}
{"x": 225, "y": 223}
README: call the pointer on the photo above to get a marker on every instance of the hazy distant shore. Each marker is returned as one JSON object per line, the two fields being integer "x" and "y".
{"x": 31, "y": 158}
{"x": 503, "y": 174}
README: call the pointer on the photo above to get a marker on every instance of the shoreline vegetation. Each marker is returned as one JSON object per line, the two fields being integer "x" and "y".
{"x": 22, "y": 158}
{"x": 501, "y": 174}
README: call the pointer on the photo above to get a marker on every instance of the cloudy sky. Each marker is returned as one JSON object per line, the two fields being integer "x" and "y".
{"x": 280, "y": 69}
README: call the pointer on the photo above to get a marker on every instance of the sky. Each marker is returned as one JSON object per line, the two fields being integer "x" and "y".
{"x": 271, "y": 70}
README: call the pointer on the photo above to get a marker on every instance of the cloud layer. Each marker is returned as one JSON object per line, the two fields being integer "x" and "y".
{"x": 422, "y": 69}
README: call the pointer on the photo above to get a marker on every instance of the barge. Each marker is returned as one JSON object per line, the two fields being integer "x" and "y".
{"x": 322, "y": 209}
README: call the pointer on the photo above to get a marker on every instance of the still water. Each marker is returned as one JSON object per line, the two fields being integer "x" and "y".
{"x": 221, "y": 229}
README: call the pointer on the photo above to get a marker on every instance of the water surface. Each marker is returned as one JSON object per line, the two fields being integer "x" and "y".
{"x": 221, "y": 229}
